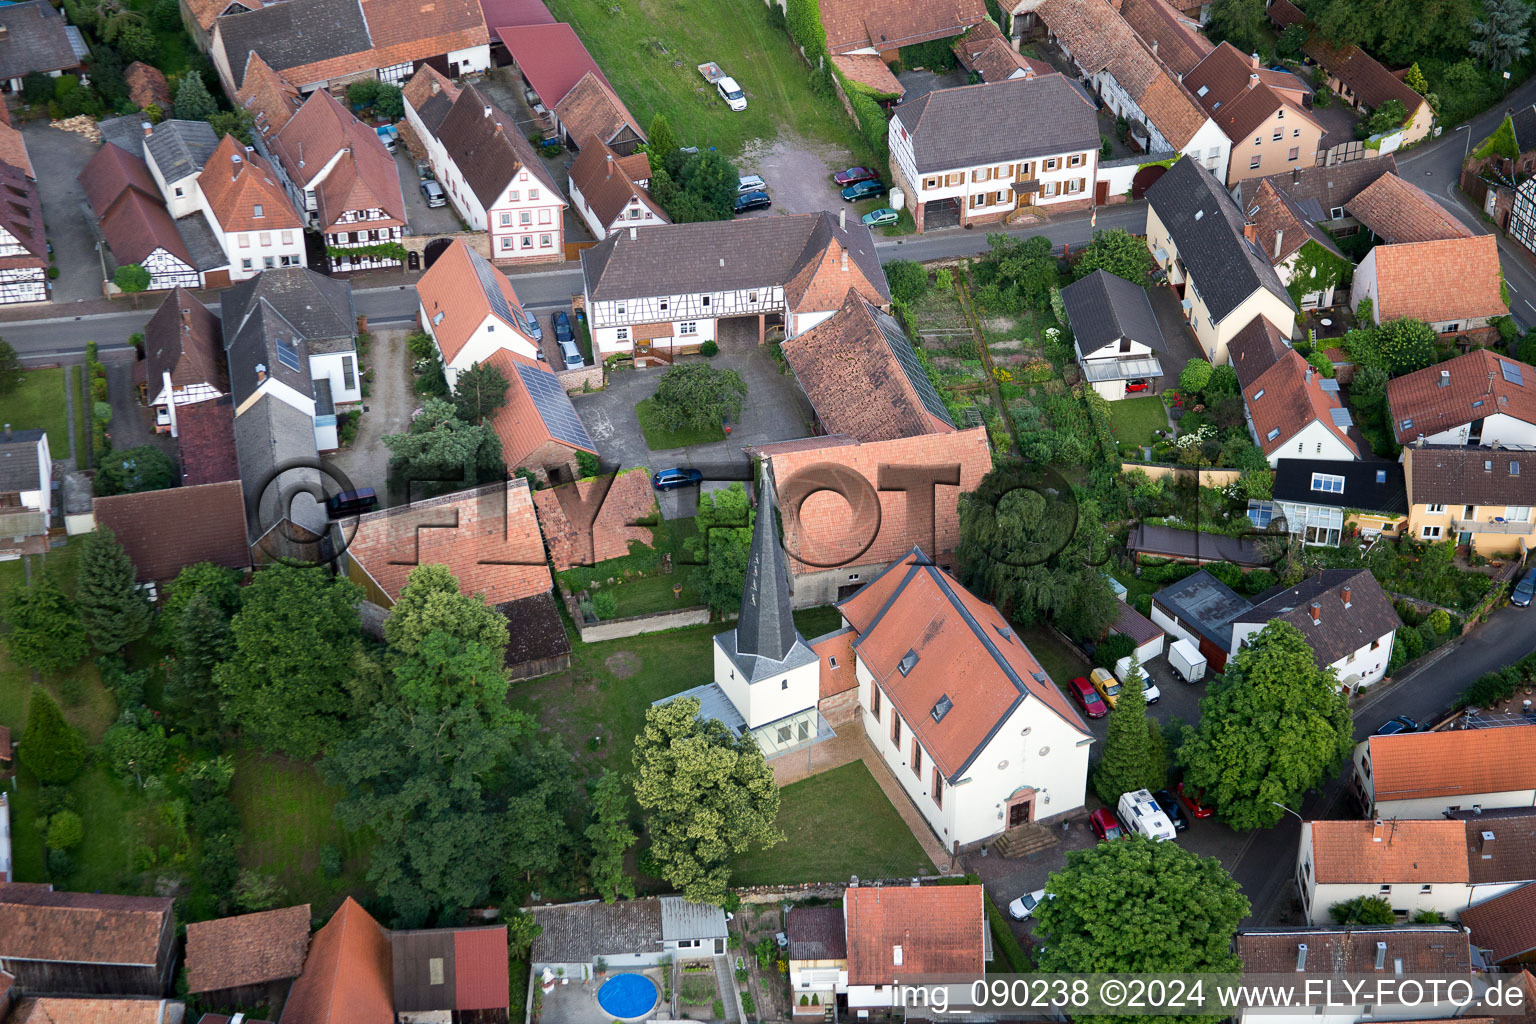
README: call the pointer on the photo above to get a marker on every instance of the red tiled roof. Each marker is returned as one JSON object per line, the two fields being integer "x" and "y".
{"x": 247, "y": 950}
{"x": 348, "y": 978}
{"x": 857, "y": 24}
{"x": 109, "y": 172}
{"x": 364, "y": 178}
{"x": 494, "y": 552}
{"x": 520, "y": 422}
{"x": 1477, "y": 376}
{"x": 1129, "y": 622}
{"x": 166, "y": 531}
{"x": 965, "y": 650}
{"x": 870, "y": 69}
{"x": 606, "y": 185}
{"x": 270, "y": 98}
{"x": 13, "y": 149}
{"x": 402, "y": 32}
{"x": 61, "y": 1010}
{"x": 1504, "y": 925}
{"x": 184, "y": 339}
{"x": 564, "y": 511}
{"x": 938, "y": 929}
{"x": 1422, "y": 852}
{"x": 591, "y": 107}
{"x": 1446, "y": 280}
{"x": 21, "y": 214}
{"x": 451, "y": 287}
{"x": 1434, "y": 949}
{"x": 83, "y": 928}
{"x": 1398, "y": 211}
{"x": 551, "y": 57}
{"x": 1179, "y": 43}
{"x": 1232, "y": 97}
{"x": 205, "y": 442}
{"x": 236, "y": 181}
{"x": 1371, "y": 83}
{"x": 1289, "y": 396}
{"x": 836, "y": 647}
{"x": 480, "y": 969}
{"x": 1467, "y": 762}
{"x": 514, "y": 13}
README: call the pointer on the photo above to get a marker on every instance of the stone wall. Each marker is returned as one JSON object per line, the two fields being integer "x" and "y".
{"x": 587, "y": 378}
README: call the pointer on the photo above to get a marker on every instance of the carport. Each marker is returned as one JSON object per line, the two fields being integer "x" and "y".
{"x": 940, "y": 213}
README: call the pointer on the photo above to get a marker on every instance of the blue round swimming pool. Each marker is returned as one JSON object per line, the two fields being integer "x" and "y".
{"x": 627, "y": 997}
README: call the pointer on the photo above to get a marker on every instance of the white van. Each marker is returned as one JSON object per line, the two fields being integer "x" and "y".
{"x": 1123, "y": 669}
{"x": 1138, "y": 810}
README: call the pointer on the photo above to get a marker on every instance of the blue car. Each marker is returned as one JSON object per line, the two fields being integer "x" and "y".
{"x": 864, "y": 190}
{"x": 671, "y": 479}
{"x": 563, "y": 332}
{"x": 1402, "y": 723}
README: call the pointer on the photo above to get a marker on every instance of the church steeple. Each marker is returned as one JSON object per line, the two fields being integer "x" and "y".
{"x": 766, "y": 626}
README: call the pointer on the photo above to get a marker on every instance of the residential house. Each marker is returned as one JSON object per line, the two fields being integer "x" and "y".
{"x": 1426, "y": 774}
{"x": 1284, "y": 230}
{"x": 209, "y": 527}
{"x": 898, "y": 932}
{"x": 1323, "y": 501}
{"x": 1125, "y": 72}
{"x": 1480, "y": 398}
{"x": 249, "y": 960}
{"x": 1452, "y": 284}
{"x": 471, "y": 311}
{"x": 1441, "y": 950}
{"x": 1355, "y": 76}
{"x": 563, "y": 81}
{"x": 1396, "y": 211}
{"x": 1504, "y": 930}
{"x": 268, "y": 97}
{"x": 488, "y": 537}
{"x": 292, "y": 333}
{"x": 818, "y": 958}
{"x": 54, "y": 1010}
{"x": 183, "y": 358}
{"x": 1441, "y": 865}
{"x": 863, "y": 378}
{"x": 459, "y": 975}
{"x": 496, "y": 182}
{"x": 321, "y": 44}
{"x": 629, "y": 933}
{"x": 1200, "y": 608}
{"x": 977, "y": 153}
{"x": 1263, "y": 112}
{"x": 825, "y": 479}
{"x": 623, "y": 501}
{"x": 983, "y": 51}
{"x": 1115, "y": 334}
{"x": 608, "y": 191}
{"x": 34, "y": 38}
{"x": 1476, "y": 496}
{"x": 342, "y": 179}
{"x": 26, "y": 492}
{"x": 428, "y": 96}
{"x": 86, "y": 944}
{"x": 592, "y": 110}
{"x": 537, "y": 424}
{"x": 274, "y": 438}
{"x": 1173, "y": 36}
{"x": 175, "y": 152}
{"x": 147, "y": 86}
{"x": 137, "y": 226}
{"x": 244, "y": 201}
{"x": 944, "y": 687}
{"x": 1323, "y": 193}
{"x": 1292, "y": 410}
{"x": 347, "y": 976}
{"x": 198, "y": 16}
{"x": 1201, "y": 239}
{"x": 663, "y": 291}
{"x": 1345, "y": 616}
{"x": 24, "y": 258}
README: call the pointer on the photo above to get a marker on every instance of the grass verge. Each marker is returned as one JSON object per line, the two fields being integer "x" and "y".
{"x": 1061, "y": 662}
{"x": 39, "y": 405}
{"x": 660, "y": 437}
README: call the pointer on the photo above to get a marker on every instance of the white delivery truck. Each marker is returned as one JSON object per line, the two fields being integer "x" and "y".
{"x": 1187, "y": 661}
{"x": 1123, "y": 668}
{"x": 1138, "y": 810}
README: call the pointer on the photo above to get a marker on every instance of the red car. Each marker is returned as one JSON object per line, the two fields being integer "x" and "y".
{"x": 1194, "y": 801}
{"x": 854, "y": 175}
{"x": 1136, "y": 386}
{"x": 1105, "y": 825}
{"x": 1088, "y": 697}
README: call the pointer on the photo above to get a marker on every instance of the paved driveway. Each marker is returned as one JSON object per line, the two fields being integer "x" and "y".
{"x": 1182, "y": 346}
{"x": 387, "y": 410}
{"x": 424, "y": 220}
{"x": 58, "y": 156}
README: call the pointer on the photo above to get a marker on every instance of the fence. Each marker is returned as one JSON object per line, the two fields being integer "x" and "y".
{"x": 634, "y": 625}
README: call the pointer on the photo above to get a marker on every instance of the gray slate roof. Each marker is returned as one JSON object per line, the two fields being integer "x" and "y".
{"x": 578, "y": 932}
{"x": 765, "y": 641}
{"x": 202, "y": 244}
{"x": 1524, "y": 122}
{"x": 997, "y": 122}
{"x": 294, "y": 33}
{"x": 19, "y": 470}
{"x": 180, "y": 148}
{"x": 126, "y": 132}
{"x": 320, "y": 308}
{"x": 411, "y": 956}
{"x": 268, "y": 434}
{"x": 253, "y": 341}
{"x": 1104, "y": 308}
{"x": 682, "y": 920}
{"x": 1338, "y": 630}
{"x": 1207, "y": 227}
{"x": 36, "y": 39}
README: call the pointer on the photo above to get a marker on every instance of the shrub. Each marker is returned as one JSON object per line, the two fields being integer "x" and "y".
{"x": 588, "y": 464}
{"x": 330, "y": 860}
{"x": 1225, "y": 572}
{"x": 1440, "y": 621}
{"x": 1195, "y": 375}
{"x": 907, "y": 279}
{"x": 719, "y": 1010}
{"x": 747, "y": 1005}
{"x": 1321, "y": 363}
{"x": 50, "y": 746}
{"x": 709, "y": 349}
{"x": 60, "y": 864}
{"x": 605, "y": 603}
{"x": 1362, "y": 910}
{"x": 65, "y": 831}
{"x": 1114, "y": 647}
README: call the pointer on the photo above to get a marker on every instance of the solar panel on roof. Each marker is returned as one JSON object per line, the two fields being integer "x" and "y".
{"x": 492, "y": 287}
{"x": 554, "y": 407}
{"x": 287, "y": 354}
{"x": 902, "y": 349}
{"x": 1341, "y": 418}
{"x": 1329, "y": 384}
{"x": 1512, "y": 373}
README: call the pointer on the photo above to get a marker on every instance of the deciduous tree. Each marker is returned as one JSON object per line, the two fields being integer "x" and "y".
{"x": 1120, "y": 253}
{"x": 1243, "y": 23}
{"x": 112, "y": 607}
{"x": 1406, "y": 345}
{"x": 50, "y": 747}
{"x": 430, "y": 602}
{"x": 145, "y": 468}
{"x": 707, "y": 795}
{"x": 611, "y": 838}
{"x": 721, "y": 547}
{"x": 11, "y": 372}
{"x": 699, "y": 395}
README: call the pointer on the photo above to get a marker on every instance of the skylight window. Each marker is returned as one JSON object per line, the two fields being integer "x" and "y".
{"x": 942, "y": 708}
{"x": 908, "y": 662}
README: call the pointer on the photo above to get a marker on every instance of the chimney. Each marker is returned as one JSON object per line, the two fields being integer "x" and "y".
{"x": 1445, "y": 378}
{"x": 609, "y": 173}
{"x": 1251, "y": 231}
{"x": 1295, "y": 174}
{"x": 1301, "y": 957}
{"x": 1345, "y": 595}
{"x": 234, "y": 166}
{"x": 436, "y": 87}
{"x": 487, "y": 112}
{"x": 1317, "y": 612}
{"x": 1253, "y": 60}
{"x": 1308, "y": 378}
{"x": 634, "y": 233}
{"x": 261, "y": 372}
{"x": 7, "y": 431}
{"x": 842, "y": 218}
{"x": 149, "y": 129}
{"x": 1279, "y": 235}
{"x": 5, "y": 32}
{"x": 1253, "y": 79}
{"x": 1376, "y": 831}
{"x": 1381, "y": 955}
{"x": 1154, "y": 47}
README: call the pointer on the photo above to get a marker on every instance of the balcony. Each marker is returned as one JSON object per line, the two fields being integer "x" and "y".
{"x": 1476, "y": 526}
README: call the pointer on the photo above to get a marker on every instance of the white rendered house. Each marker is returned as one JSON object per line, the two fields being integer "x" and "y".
{"x": 471, "y": 310}
{"x": 1475, "y": 770}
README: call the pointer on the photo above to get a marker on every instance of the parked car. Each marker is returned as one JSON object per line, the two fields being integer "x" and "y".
{"x": 1140, "y": 812}
{"x": 1088, "y": 697}
{"x": 1194, "y": 801}
{"x": 863, "y": 190}
{"x": 433, "y": 193}
{"x": 563, "y": 332}
{"x": 1170, "y": 806}
{"x": 1021, "y": 908}
{"x": 1105, "y": 682}
{"x": 1393, "y": 726}
{"x": 753, "y": 201}
{"x": 1133, "y": 387}
{"x": 750, "y": 183}
{"x": 1521, "y": 598}
{"x": 670, "y": 479}
{"x": 884, "y": 215}
{"x": 855, "y": 175}
{"x": 531, "y": 325}
{"x": 1105, "y": 825}
{"x": 571, "y": 354}
{"x": 351, "y": 503}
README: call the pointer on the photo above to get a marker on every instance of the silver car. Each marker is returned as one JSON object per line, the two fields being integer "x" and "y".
{"x": 751, "y": 183}
{"x": 433, "y": 193}
{"x": 572, "y": 355}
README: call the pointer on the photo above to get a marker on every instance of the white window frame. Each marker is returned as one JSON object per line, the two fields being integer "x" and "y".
{"x": 1431, "y": 532}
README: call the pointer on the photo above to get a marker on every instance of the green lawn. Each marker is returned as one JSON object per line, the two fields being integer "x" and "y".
{"x": 641, "y": 587}
{"x": 39, "y": 404}
{"x": 1134, "y": 419}
{"x": 59, "y": 561}
{"x": 76, "y": 377}
{"x": 1061, "y": 662}
{"x": 650, "y": 50}
{"x": 835, "y": 824}
{"x": 660, "y": 437}
{"x": 814, "y": 622}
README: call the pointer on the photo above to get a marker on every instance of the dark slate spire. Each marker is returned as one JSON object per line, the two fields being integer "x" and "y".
{"x": 766, "y": 628}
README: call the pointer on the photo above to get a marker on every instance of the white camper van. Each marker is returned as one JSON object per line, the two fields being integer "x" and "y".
{"x": 1138, "y": 810}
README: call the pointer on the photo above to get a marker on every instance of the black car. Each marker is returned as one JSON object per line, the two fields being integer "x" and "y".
{"x": 1170, "y": 807}
{"x": 752, "y": 201}
{"x": 563, "y": 332}
{"x": 1524, "y": 590}
{"x": 1402, "y": 723}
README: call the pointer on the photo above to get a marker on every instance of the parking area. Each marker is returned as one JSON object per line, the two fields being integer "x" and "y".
{"x": 798, "y": 172}
{"x": 1180, "y": 338}
{"x": 423, "y": 220}
{"x": 59, "y": 156}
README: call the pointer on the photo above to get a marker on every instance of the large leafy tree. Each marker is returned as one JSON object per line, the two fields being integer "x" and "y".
{"x": 1036, "y": 553}
{"x": 201, "y": 642}
{"x": 1120, "y": 252}
{"x": 443, "y": 452}
{"x": 479, "y": 392}
{"x": 50, "y": 747}
{"x": 113, "y": 608}
{"x": 1243, "y": 23}
{"x": 706, "y": 794}
{"x": 1274, "y": 727}
{"x": 1133, "y": 747}
{"x": 431, "y": 602}
{"x": 722, "y": 545}
{"x": 699, "y": 395}
{"x": 145, "y": 468}
{"x": 1406, "y": 345}
{"x": 1137, "y": 905}
{"x": 45, "y": 631}
{"x": 295, "y": 648}
{"x": 610, "y": 837}
{"x": 1501, "y": 36}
